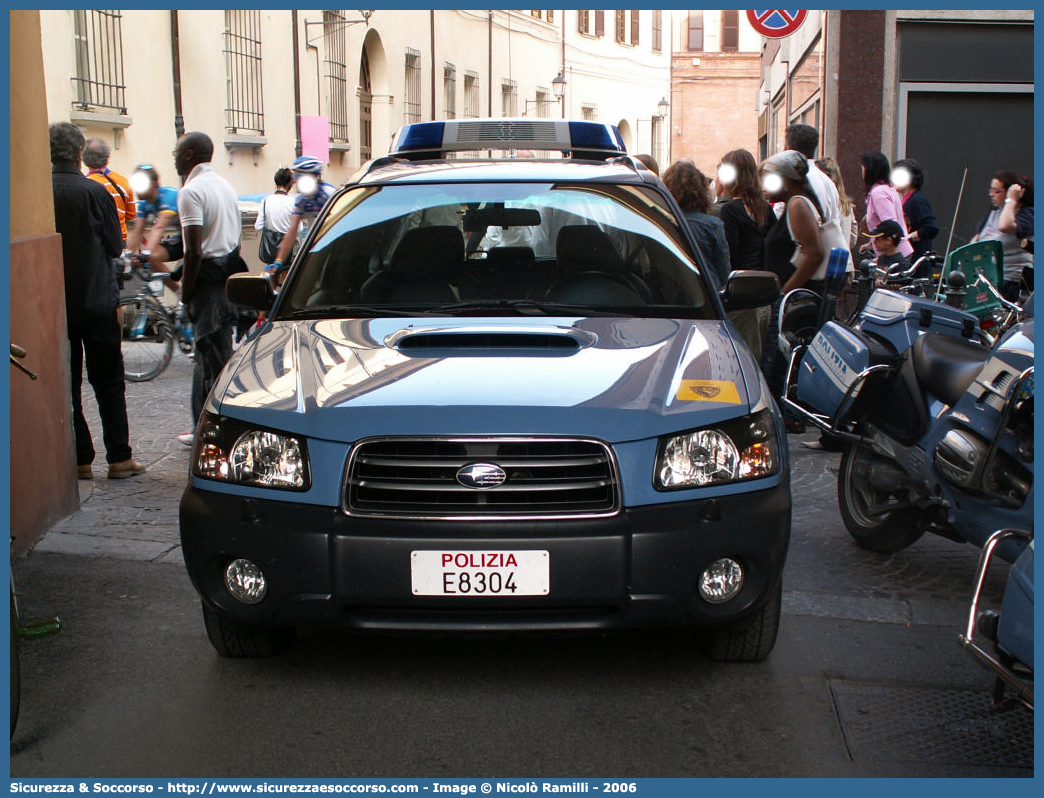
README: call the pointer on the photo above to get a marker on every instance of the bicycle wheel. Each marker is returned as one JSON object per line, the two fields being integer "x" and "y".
{"x": 148, "y": 339}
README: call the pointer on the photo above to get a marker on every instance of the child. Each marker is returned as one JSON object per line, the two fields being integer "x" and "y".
{"x": 888, "y": 234}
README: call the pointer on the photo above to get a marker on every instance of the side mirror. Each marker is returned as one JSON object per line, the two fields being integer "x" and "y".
{"x": 252, "y": 291}
{"x": 748, "y": 288}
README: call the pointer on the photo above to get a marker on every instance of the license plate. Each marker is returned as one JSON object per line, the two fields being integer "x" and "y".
{"x": 480, "y": 573}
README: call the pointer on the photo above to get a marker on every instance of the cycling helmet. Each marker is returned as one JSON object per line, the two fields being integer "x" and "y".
{"x": 306, "y": 165}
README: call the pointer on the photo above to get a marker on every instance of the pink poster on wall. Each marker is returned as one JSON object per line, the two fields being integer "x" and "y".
{"x": 315, "y": 137}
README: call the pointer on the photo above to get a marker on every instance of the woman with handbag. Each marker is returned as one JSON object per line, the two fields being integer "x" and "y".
{"x": 784, "y": 178}
{"x": 273, "y": 220}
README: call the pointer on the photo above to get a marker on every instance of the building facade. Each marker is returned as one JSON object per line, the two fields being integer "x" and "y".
{"x": 716, "y": 75}
{"x": 951, "y": 89}
{"x": 269, "y": 85}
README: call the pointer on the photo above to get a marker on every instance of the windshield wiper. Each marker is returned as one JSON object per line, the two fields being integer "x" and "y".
{"x": 527, "y": 307}
{"x": 349, "y": 311}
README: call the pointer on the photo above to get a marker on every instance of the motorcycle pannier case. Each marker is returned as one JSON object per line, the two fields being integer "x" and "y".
{"x": 900, "y": 319}
{"x": 836, "y": 356}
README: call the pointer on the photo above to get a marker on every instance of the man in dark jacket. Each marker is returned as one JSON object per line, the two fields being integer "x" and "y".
{"x": 85, "y": 216}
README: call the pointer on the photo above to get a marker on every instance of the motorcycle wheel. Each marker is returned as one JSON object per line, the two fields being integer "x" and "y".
{"x": 864, "y": 506}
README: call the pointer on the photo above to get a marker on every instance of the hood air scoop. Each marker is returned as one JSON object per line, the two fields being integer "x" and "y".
{"x": 472, "y": 341}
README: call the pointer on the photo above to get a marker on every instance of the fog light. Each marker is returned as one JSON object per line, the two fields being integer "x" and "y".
{"x": 721, "y": 581}
{"x": 245, "y": 581}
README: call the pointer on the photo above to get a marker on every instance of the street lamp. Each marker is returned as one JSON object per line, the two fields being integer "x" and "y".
{"x": 557, "y": 88}
{"x": 338, "y": 23}
{"x": 655, "y": 126}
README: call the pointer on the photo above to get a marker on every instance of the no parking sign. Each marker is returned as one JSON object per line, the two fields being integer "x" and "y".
{"x": 776, "y": 24}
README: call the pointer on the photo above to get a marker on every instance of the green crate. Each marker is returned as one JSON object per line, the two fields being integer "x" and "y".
{"x": 980, "y": 262}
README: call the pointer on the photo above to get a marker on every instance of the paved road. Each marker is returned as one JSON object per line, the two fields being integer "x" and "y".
{"x": 867, "y": 678}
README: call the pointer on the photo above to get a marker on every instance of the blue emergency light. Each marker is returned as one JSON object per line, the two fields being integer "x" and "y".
{"x": 580, "y": 139}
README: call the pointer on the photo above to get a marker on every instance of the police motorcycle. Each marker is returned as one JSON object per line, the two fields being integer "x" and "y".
{"x": 937, "y": 426}
{"x": 977, "y": 294}
{"x": 1003, "y": 640}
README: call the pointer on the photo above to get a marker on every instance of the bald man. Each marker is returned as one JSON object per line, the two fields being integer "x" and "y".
{"x": 210, "y": 230}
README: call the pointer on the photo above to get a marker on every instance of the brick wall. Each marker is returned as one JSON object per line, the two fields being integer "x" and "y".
{"x": 713, "y": 104}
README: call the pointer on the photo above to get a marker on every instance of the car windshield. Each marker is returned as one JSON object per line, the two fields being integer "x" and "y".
{"x": 498, "y": 249}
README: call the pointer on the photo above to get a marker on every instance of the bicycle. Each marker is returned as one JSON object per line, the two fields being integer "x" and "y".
{"x": 151, "y": 328}
{"x": 19, "y": 631}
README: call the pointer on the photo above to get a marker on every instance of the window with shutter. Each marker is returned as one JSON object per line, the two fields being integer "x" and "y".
{"x": 729, "y": 31}
{"x": 695, "y": 30}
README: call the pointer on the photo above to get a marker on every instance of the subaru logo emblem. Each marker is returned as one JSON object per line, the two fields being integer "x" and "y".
{"x": 481, "y": 476}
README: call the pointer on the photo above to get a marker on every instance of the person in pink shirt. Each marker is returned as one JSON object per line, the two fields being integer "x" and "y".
{"x": 882, "y": 200}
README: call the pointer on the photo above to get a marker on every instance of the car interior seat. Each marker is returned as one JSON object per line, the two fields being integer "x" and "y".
{"x": 592, "y": 270}
{"x": 425, "y": 267}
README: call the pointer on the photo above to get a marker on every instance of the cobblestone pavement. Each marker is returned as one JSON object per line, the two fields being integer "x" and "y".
{"x": 827, "y": 574}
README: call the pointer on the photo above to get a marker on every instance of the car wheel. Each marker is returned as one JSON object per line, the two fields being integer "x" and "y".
{"x": 246, "y": 640}
{"x": 749, "y": 640}
{"x": 864, "y": 506}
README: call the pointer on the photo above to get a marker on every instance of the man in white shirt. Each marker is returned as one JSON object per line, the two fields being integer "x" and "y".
{"x": 210, "y": 229}
{"x": 805, "y": 139}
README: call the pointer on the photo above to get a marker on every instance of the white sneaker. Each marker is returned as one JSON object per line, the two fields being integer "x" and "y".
{"x": 186, "y": 438}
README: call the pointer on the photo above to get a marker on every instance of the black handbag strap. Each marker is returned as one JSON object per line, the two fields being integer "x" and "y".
{"x": 120, "y": 191}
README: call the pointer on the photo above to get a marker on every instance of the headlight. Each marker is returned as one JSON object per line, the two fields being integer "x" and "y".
{"x": 731, "y": 452}
{"x": 243, "y": 454}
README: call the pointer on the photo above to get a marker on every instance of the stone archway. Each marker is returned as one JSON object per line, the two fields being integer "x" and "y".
{"x": 374, "y": 95}
{"x": 628, "y": 135}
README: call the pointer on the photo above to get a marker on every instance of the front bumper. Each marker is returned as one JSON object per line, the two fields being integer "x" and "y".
{"x": 638, "y": 568}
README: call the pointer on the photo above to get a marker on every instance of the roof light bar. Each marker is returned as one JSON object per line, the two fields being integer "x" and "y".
{"x": 584, "y": 139}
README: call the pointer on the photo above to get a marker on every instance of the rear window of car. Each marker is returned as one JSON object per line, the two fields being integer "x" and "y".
{"x": 463, "y": 247}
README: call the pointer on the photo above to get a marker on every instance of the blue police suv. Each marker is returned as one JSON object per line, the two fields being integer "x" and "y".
{"x": 497, "y": 392}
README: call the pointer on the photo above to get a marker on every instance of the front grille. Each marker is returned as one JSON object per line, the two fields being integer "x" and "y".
{"x": 417, "y": 477}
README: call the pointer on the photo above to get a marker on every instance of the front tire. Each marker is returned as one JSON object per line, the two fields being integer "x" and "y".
{"x": 864, "y": 506}
{"x": 246, "y": 640}
{"x": 749, "y": 640}
{"x": 146, "y": 348}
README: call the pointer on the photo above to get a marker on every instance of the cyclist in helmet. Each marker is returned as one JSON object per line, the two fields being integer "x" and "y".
{"x": 312, "y": 194}
{"x": 157, "y": 205}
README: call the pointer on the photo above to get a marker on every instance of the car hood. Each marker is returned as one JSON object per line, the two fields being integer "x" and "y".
{"x": 610, "y": 378}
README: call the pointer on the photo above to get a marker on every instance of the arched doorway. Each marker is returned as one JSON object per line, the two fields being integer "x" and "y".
{"x": 365, "y": 110}
{"x": 374, "y": 99}
{"x": 627, "y": 134}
